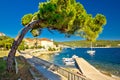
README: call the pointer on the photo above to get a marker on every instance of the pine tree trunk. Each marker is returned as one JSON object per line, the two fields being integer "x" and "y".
{"x": 17, "y": 41}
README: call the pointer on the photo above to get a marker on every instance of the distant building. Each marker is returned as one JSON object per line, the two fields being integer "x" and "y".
{"x": 108, "y": 46}
{"x": 44, "y": 42}
{"x": 29, "y": 42}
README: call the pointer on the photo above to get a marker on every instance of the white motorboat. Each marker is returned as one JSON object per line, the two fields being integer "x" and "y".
{"x": 74, "y": 56}
{"x": 69, "y": 61}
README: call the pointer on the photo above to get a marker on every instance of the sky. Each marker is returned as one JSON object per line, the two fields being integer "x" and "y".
{"x": 11, "y": 12}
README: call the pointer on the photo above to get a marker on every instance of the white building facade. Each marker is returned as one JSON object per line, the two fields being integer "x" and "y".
{"x": 47, "y": 43}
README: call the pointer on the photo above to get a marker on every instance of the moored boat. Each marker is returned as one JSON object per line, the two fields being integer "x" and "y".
{"x": 69, "y": 61}
{"x": 91, "y": 52}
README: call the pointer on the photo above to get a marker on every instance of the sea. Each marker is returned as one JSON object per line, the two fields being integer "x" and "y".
{"x": 104, "y": 59}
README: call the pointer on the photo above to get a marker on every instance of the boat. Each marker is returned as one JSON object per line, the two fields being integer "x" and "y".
{"x": 69, "y": 61}
{"x": 74, "y": 56}
{"x": 91, "y": 51}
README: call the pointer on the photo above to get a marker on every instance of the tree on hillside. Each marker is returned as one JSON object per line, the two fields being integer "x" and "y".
{"x": 66, "y": 16}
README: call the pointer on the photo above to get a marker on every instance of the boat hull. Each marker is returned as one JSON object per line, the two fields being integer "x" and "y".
{"x": 92, "y": 52}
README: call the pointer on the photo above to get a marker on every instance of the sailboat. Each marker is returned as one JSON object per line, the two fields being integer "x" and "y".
{"x": 91, "y": 51}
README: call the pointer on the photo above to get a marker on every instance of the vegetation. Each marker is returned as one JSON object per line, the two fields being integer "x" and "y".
{"x": 98, "y": 43}
{"x": 6, "y": 43}
{"x": 55, "y": 43}
{"x": 23, "y": 69}
{"x": 51, "y": 49}
{"x": 66, "y": 16}
{"x": 22, "y": 46}
{"x": 22, "y": 66}
{"x": 2, "y": 66}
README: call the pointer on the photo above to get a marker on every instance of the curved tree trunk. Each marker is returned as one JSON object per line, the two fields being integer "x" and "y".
{"x": 17, "y": 41}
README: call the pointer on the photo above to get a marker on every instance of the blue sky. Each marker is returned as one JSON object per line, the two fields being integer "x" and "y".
{"x": 11, "y": 12}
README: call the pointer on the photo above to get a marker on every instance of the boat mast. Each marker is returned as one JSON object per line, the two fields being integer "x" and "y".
{"x": 91, "y": 45}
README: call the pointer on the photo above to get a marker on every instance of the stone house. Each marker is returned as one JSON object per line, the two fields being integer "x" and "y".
{"x": 44, "y": 42}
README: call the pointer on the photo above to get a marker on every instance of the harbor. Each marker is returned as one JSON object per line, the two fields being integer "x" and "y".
{"x": 86, "y": 70}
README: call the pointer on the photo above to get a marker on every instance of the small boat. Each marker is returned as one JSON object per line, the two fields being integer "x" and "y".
{"x": 91, "y": 52}
{"x": 74, "y": 56}
{"x": 69, "y": 61}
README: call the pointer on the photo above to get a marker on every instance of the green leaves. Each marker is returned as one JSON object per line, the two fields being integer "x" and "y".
{"x": 94, "y": 27}
{"x": 100, "y": 20}
{"x": 68, "y": 17}
{"x": 35, "y": 32}
{"x": 26, "y": 19}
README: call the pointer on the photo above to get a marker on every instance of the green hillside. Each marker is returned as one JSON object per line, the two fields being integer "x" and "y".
{"x": 6, "y": 43}
{"x": 98, "y": 43}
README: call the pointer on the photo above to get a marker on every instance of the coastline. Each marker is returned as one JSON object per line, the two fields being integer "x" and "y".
{"x": 45, "y": 55}
{"x": 92, "y": 47}
{"x": 48, "y": 55}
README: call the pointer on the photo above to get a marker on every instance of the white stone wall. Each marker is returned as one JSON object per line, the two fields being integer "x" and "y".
{"x": 47, "y": 44}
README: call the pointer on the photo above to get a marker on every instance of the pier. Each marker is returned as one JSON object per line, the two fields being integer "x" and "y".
{"x": 89, "y": 71}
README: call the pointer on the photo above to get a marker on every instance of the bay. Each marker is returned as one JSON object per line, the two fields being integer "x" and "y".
{"x": 105, "y": 59}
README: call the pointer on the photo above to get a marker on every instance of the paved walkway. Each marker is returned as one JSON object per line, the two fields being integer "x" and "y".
{"x": 91, "y": 72}
{"x": 45, "y": 72}
{"x": 48, "y": 74}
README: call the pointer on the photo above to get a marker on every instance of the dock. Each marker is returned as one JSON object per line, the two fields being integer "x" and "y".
{"x": 89, "y": 71}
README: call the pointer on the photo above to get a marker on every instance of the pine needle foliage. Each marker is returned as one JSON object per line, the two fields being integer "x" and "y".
{"x": 68, "y": 17}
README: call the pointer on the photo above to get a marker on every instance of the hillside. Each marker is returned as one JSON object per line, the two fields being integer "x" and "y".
{"x": 6, "y": 43}
{"x": 98, "y": 43}
{"x": 2, "y": 34}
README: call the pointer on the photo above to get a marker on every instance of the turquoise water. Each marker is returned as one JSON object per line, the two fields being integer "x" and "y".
{"x": 105, "y": 59}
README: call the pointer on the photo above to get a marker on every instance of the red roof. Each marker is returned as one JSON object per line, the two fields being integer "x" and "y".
{"x": 41, "y": 39}
{"x": 44, "y": 39}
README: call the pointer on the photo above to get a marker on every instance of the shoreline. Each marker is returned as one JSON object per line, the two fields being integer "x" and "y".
{"x": 46, "y": 56}
{"x": 38, "y": 52}
{"x": 89, "y": 47}
{"x": 44, "y": 51}
{"x": 75, "y": 70}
